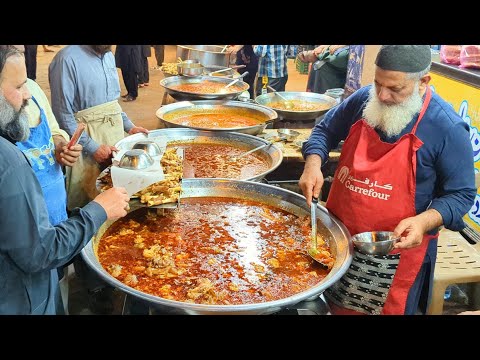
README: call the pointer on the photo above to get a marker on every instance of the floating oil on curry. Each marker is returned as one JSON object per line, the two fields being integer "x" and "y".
{"x": 216, "y": 118}
{"x": 206, "y": 87}
{"x": 214, "y": 160}
{"x": 213, "y": 251}
{"x": 298, "y": 105}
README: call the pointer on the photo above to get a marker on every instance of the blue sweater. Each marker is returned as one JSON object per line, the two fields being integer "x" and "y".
{"x": 445, "y": 171}
{"x": 30, "y": 247}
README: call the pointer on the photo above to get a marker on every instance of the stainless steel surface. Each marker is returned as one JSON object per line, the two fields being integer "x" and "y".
{"x": 232, "y": 73}
{"x": 313, "y": 220}
{"x": 329, "y": 227}
{"x": 236, "y": 80}
{"x": 265, "y": 99}
{"x": 217, "y": 105}
{"x": 190, "y": 69}
{"x": 183, "y": 95}
{"x": 227, "y": 71}
{"x": 135, "y": 159}
{"x": 272, "y": 154}
{"x": 375, "y": 242}
{"x": 206, "y": 54}
{"x": 288, "y": 134}
{"x": 150, "y": 147}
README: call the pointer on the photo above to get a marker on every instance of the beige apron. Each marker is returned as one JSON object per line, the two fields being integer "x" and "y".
{"x": 105, "y": 126}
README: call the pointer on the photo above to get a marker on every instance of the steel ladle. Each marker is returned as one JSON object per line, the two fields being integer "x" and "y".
{"x": 288, "y": 103}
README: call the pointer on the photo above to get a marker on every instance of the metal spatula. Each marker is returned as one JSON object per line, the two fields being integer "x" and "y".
{"x": 312, "y": 250}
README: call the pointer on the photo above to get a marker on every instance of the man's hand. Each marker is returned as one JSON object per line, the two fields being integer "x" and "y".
{"x": 334, "y": 48}
{"x": 307, "y": 56}
{"x": 311, "y": 181}
{"x": 412, "y": 229}
{"x": 68, "y": 157}
{"x": 103, "y": 155}
{"x": 138, "y": 129}
{"x": 114, "y": 201}
{"x": 320, "y": 49}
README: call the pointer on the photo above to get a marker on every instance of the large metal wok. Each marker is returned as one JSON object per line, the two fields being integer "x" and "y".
{"x": 168, "y": 113}
{"x": 328, "y": 226}
{"x": 272, "y": 154}
{"x": 269, "y": 98}
{"x": 206, "y": 54}
{"x": 178, "y": 95}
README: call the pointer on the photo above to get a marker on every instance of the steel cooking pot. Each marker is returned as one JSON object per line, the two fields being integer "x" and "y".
{"x": 267, "y": 99}
{"x": 272, "y": 154}
{"x": 180, "y": 95}
{"x": 206, "y": 54}
{"x": 328, "y": 226}
{"x": 168, "y": 113}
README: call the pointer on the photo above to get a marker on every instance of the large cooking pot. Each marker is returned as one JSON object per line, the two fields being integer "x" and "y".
{"x": 206, "y": 54}
{"x": 179, "y": 95}
{"x": 266, "y": 116}
{"x": 283, "y": 114}
{"x": 272, "y": 153}
{"x": 329, "y": 227}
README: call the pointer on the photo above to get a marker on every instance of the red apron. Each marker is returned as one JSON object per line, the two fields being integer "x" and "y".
{"x": 374, "y": 189}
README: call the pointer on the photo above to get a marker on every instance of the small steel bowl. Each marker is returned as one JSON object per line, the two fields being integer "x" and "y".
{"x": 287, "y": 134}
{"x": 375, "y": 242}
{"x": 150, "y": 147}
{"x": 190, "y": 68}
{"x": 135, "y": 159}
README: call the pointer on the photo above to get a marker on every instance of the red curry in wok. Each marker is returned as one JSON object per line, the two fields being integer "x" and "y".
{"x": 206, "y": 87}
{"x": 214, "y": 160}
{"x": 214, "y": 251}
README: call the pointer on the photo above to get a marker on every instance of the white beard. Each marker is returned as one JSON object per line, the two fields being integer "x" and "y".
{"x": 13, "y": 123}
{"x": 392, "y": 119}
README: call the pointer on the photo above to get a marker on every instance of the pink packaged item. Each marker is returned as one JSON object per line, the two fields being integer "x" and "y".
{"x": 450, "y": 54}
{"x": 470, "y": 56}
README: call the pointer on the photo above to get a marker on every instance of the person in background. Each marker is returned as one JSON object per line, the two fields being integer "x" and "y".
{"x": 144, "y": 74}
{"x": 159, "y": 54}
{"x": 31, "y": 61}
{"x": 245, "y": 56}
{"x": 332, "y": 67}
{"x": 273, "y": 63}
{"x": 85, "y": 87}
{"x": 30, "y": 247}
{"x": 406, "y": 167}
{"x": 128, "y": 59}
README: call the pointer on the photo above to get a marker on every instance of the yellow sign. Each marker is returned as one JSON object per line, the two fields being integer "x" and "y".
{"x": 465, "y": 99}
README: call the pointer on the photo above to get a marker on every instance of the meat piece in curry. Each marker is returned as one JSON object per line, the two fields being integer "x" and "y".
{"x": 213, "y": 251}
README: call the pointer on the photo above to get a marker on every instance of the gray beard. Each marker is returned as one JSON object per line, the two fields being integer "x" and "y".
{"x": 13, "y": 123}
{"x": 392, "y": 119}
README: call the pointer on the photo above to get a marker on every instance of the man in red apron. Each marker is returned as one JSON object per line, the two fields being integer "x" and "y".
{"x": 406, "y": 166}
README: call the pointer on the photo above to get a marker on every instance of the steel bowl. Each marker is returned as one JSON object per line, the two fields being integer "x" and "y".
{"x": 273, "y": 154}
{"x": 178, "y": 95}
{"x": 288, "y": 134}
{"x": 229, "y": 73}
{"x": 329, "y": 227}
{"x": 190, "y": 68}
{"x": 168, "y": 113}
{"x": 150, "y": 147}
{"x": 375, "y": 242}
{"x": 283, "y": 114}
{"x": 135, "y": 159}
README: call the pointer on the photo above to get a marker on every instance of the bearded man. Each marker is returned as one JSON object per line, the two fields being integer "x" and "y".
{"x": 31, "y": 248}
{"x": 407, "y": 167}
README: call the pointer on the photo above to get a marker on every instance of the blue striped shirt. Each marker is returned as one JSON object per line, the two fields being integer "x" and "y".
{"x": 79, "y": 79}
{"x": 272, "y": 60}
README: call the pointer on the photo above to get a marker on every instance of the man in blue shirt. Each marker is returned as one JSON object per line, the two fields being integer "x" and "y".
{"x": 272, "y": 62}
{"x": 406, "y": 166}
{"x": 30, "y": 247}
